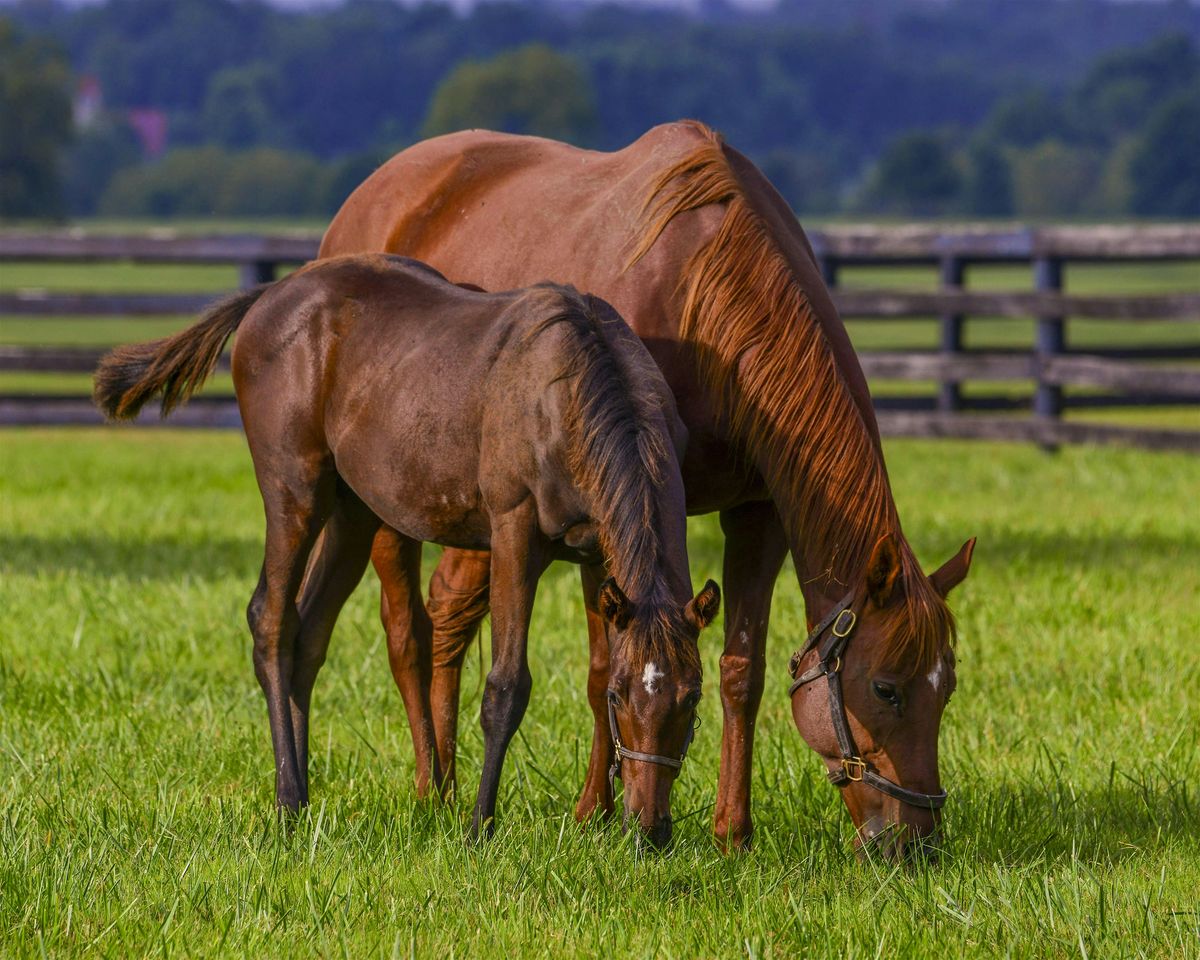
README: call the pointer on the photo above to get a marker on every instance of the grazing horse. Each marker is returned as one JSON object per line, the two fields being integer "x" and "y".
{"x": 531, "y": 423}
{"x": 688, "y": 240}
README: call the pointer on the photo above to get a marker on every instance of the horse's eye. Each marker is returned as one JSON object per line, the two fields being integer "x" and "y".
{"x": 885, "y": 692}
{"x": 614, "y": 698}
{"x": 690, "y": 701}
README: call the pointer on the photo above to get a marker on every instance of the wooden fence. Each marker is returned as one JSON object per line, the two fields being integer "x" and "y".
{"x": 1061, "y": 376}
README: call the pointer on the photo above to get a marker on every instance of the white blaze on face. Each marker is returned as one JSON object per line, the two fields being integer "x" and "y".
{"x": 650, "y": 676}
{"x": 935, "y": 675}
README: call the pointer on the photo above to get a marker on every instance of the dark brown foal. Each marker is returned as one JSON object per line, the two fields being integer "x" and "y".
{"x": 530, "y": 423}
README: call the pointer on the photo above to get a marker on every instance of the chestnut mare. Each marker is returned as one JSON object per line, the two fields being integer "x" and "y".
{"x": 688, "y": 240}
{"x": 531, "y": 423}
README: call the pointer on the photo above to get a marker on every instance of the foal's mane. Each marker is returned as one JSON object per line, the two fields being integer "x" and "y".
{"x": 765, "y": 357}
{"x": 620, "y": 455}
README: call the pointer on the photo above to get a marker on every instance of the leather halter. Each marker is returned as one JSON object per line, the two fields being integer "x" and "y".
{"x": 622, "y": 752}
{"x": 840, "y": 623}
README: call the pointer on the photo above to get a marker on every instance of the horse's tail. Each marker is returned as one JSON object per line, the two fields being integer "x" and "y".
{"x": 175, "y": 366}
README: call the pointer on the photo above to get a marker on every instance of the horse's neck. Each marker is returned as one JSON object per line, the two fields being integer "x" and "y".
{"x": 653, "y": 565}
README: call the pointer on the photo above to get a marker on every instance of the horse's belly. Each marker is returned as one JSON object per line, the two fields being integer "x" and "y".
{"x": 412, "y": 455}
{"x": 446, "y": 518}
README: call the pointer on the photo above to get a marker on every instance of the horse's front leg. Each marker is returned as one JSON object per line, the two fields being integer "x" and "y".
{"x": 755, "y": 546}
{"x": 597, "y": 792}
{"x": 518, "y": 559}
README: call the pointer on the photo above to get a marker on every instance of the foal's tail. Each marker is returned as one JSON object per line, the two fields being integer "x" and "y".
{"x": 175, "y": 366}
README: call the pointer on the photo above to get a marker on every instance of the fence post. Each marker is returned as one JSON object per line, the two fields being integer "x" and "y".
{"x": 829, "y": 271}
{"x": 253, "y": 272}
{"x": 1049, "y": 340}
{"x": 953, "y": 271}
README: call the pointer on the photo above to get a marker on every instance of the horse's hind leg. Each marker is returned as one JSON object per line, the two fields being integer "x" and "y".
{"x": 296, "y": 506}
{"x": 397, "y": 560}
{"x": 336, "y": 568}
{"x": 458, "y": 602}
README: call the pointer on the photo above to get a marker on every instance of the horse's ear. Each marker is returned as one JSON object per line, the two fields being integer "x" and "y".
{"x": 954, "y": 571}
{"x": 702, "y": 609}
{"x": 614, "y": 605}
{"x": 883, "y": 569}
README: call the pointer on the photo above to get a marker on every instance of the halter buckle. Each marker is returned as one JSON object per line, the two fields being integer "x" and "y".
{"x": 844, "y": 623}
{"x": 851, "y": 765}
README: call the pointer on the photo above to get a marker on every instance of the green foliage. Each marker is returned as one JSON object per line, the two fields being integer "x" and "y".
{"x": 1025, "y": 119}
{"x": 241, "y": 106}
{"x": 987, "y": 187}
{"x": 208, "y": 181}
{"x": 1054, "y": 180}
{"x": 804, "y": 88}
{"x": 529, "y": 90}
{"x": 1165, "y": 164}
{"x": 96, "y": 155}
{"x": 916, "y": 175}
{"x": 344, "y": 177}
{"x": 266, "y": 182}
{"x": 135, "y": 763}
{"x": 1122, "y": 89}
{"x": 35, "y": 124}
{"x": 807, "y": 181}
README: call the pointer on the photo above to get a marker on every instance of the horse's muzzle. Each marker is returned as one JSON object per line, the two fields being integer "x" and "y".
{"x": 657, "y": 834}
{"x": 897, "y": 843}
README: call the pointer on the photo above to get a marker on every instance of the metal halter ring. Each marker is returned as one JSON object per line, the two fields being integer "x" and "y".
{"x": 849, "y": 618}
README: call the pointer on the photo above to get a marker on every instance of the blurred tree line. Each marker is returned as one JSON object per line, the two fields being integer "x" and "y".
{"x": 1030, "y": 108}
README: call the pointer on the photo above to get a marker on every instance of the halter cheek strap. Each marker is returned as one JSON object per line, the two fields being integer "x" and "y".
{"x": 830, "y": 637}
{"x": 622, "y": 752}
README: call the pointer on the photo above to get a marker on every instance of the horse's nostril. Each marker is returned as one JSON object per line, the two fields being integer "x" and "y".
{"x": 660, "y": 833}
{"x": 926, "y": 849}
{"x": 877, "y": 838}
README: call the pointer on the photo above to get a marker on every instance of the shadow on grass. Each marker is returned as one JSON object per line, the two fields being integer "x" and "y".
{"x": 1030, "y": 822}
{"x": 147, "y": 558}
{"x": 1081, "y": 548}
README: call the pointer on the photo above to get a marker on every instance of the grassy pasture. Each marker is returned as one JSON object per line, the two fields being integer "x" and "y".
{"x": 135, "y": 765}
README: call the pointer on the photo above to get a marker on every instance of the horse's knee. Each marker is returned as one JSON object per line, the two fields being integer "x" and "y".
{"x": 741, "y": 679}
{"x": 450, "y": 650}
{"x": 310, "y": 658}
{"x": 505, "y": 697}
{"x": 255, "y": 608}
{"x": 273, "y": 627}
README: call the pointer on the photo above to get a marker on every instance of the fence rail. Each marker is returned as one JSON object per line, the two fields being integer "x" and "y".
{"x": 1062, "y": 377}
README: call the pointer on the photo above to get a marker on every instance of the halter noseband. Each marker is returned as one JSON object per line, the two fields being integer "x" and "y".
{"x": 622, "y": 752}
{"x": 840, "y": 623}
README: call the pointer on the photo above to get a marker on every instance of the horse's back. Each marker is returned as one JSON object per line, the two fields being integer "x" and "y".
{"x": 384, "y": 366}
{"x": 446, "y": 200}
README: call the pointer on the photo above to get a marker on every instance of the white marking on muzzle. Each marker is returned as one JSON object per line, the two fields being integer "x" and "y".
{"x": 650, "y": 676}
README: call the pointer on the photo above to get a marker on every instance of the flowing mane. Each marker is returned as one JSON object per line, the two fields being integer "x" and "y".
{"x": 620, "y": 454}
{"x": 778, "y": 383}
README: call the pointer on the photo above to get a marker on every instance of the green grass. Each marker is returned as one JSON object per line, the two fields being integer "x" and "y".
{"x": 135, "y": 765}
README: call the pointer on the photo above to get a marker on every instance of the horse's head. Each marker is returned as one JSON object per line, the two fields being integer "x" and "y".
{"x": 858, "y": 701}
{"x": 654, "y": 686}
